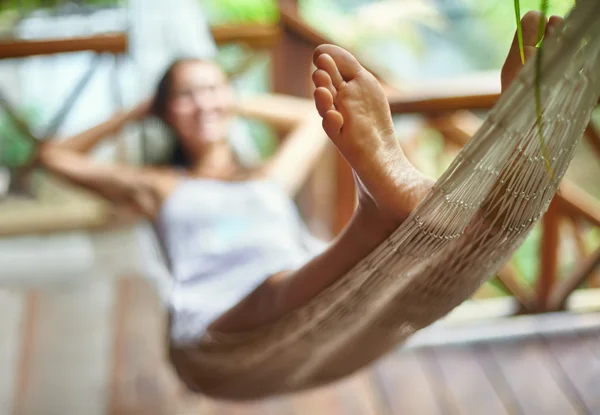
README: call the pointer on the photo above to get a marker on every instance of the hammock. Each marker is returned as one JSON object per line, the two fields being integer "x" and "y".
{"x": 467, "y": 227}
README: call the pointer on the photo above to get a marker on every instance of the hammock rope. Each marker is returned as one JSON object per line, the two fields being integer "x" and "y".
{"x": 468, "y": 226}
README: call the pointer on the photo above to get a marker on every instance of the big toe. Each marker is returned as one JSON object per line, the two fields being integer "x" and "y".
{"x": 345, "y": 62}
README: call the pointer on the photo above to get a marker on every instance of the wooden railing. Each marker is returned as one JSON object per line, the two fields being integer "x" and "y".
{"x": 446, "y": 107}
{"x": 448, "y": 115}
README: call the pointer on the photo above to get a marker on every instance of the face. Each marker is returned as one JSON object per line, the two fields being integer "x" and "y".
{"x": 200, "y": 106}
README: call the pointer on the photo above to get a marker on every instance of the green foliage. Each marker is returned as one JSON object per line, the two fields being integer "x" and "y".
{"x": 519, "y": 29}
{"x": 28, "y": 5}
{"x": 498, "y": 18}
{"x": 15, "y": 148}
{"x": 379, "y": 22}
{"x": 241, "y": 11}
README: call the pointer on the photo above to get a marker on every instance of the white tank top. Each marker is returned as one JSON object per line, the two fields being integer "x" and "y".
{"x": 223, "y": 239}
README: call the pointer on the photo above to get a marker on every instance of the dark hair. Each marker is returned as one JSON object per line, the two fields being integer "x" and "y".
{"x": 179, "y": 157}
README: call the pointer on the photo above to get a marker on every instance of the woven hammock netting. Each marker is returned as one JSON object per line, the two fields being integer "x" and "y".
{"x": 468, "y": 226}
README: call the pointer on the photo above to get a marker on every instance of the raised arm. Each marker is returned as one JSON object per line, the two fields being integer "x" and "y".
{"x": 303, "y": 145}
{"x": 136, "y": 189}
{"x": 88, "y": 139}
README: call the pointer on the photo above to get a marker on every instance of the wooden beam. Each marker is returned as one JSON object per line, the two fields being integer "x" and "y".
{"x": 548, "y": 256}
{"x": 292, "y": 23}
{"x": 292, "y": 69}
{"x": 583, "y": 251}
{"x": 575, "y": 201}
{"x": 255, "y": 36}
{"x": 36, "y": 218}
{"x": 593, "y": 138}
{"x": 477, "y": 91}
{"x": 508, "y": 277}
{"x": 106, "y": 43}
{"x": 420, "y": 104}
{"x": 583, "y": 271}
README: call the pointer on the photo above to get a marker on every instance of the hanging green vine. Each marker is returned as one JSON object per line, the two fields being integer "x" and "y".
{"x": 538, "y": 74}
{"x": 538, "y": 86}
{"x": 519, "y": 30}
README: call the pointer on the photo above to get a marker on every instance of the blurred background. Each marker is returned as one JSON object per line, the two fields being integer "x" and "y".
{"x": 69, "y": 267}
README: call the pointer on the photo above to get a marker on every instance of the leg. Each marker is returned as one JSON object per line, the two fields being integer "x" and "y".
{"x": 530, "y": 24}
{"x": 357, "y": 118}
{"x": 510, "y": 71}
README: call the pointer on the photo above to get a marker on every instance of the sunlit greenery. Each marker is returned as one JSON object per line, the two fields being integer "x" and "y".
{"x": 241, "y": 11}
{"x": 26, "y": 5}
{"x": 479, "y": 33}
{"x": 15, "y": 149}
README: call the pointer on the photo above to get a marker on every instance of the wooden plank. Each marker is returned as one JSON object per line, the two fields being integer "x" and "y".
{"x": 580, "y": 366}
{"x": 115, "y": 43}
{"x": 27, "y": 345}
{"x": 255, "y": 36}
{"x": 70, "y": 355}
{"x": 294, "y": 27}
{"x": 141, "y": 382}
{"x": 580, "y": 274}
{"x": 405, "y": 385}
{"x": 416, "y": 103}
{"x": 322, "y": 400}
{"x": 221, "y": 408}
{"x": 577, "y": 202}
{"x": 495, "y": 329}
{"x": 359, "y": 396}
{"x": 592, "y": 341}
{"x": 12, "y": 313}
{"x": 356, "y": 395}
{"x": 524, "y": 365}
{"x": 472, "y": 392}
{"x": 593, "y": 138}
{"x": 548, "y": 256}
{"x": 508, "y": 276}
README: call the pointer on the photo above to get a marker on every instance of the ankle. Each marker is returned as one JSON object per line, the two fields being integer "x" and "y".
{"x": 374, "y": 225}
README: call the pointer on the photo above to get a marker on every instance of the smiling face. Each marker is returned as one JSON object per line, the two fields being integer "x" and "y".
{"x": 199, "y": 104}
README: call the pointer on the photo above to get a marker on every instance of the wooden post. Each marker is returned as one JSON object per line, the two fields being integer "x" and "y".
{"x": 549, "y": 256}
{"x": 291, "y": 75}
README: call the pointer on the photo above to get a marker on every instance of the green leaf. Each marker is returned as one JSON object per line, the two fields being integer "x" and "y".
{"x": 520, "y": 30}
{"x": 538, "y": 86}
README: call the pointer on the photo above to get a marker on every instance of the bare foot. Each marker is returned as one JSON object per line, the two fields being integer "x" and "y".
{"x": 510, "y": 71}
{"x": 530, "y": 24}
{"x": 357, "y": 118}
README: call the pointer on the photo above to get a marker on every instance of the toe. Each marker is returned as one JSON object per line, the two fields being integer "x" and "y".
{"x": 326, "y": 63}
{"x": 332, "y": 124}
{"x": 531, "y": 27}
{"x": 323, "y": 101}
{"x": 346, "y": 63}
{"x": 321, "y": 79}
{"x": 513, "y": 64}
{"x": 553, "y": 23}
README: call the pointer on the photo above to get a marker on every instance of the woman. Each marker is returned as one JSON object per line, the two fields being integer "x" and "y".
{"x": 237, "y": 248}
{"x": 233, "y": 234}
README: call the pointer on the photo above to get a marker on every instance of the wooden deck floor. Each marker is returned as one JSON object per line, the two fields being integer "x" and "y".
{"x": 97, "y": 350}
